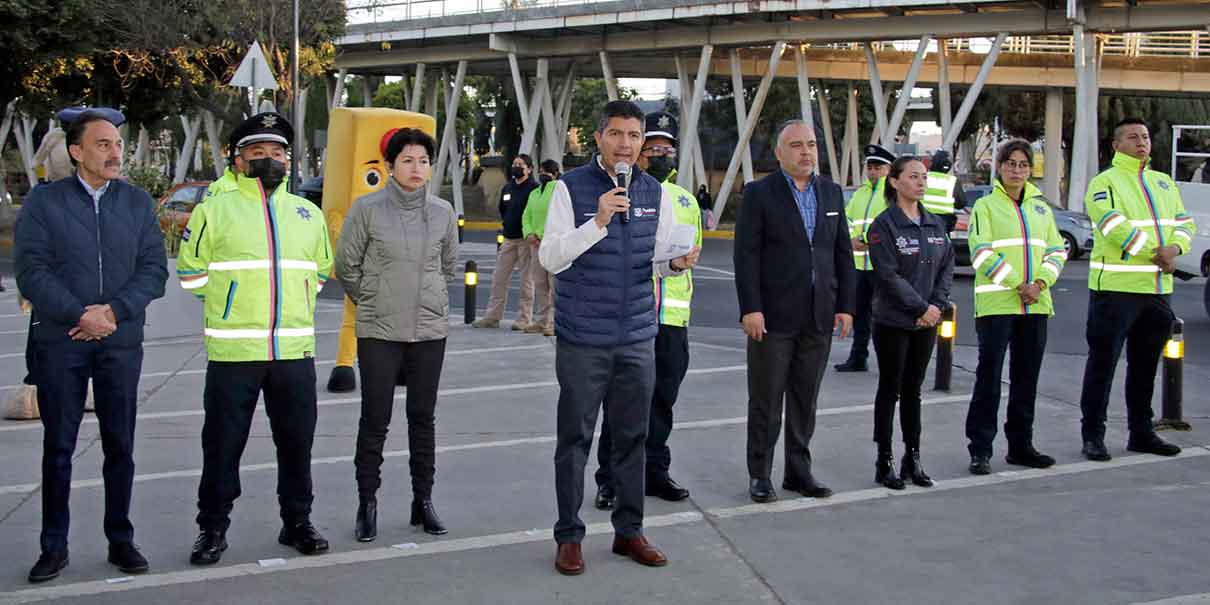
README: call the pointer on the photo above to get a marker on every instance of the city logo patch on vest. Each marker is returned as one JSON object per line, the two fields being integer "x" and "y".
{"x": 1040, "y": 209}
{"x": 906, "y": 246}
{"x": 1164, "y": 185}
{"x": 684, "y": 201}
{"x": 645, "y": 212}
{"x": 303, "y": 213}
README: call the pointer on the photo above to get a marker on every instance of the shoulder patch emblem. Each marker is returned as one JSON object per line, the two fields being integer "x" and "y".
{"x": 683, "y": 201}
{"x": 303, "y": 213}
{"x": 1040, "y": 209}
{"x": 185, "y": 234}
{"x": 1164, "y": 184}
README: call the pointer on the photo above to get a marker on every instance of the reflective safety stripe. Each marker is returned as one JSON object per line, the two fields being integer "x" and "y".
{"x": 676, "y": 304}
{"x": 1164, "y": 222}
{"x": 981, "y": 257}
{"x": 237, "y": 265}
{"x": 1111, "y": 223}
{"x": 1135, "y": 244}
{"x": 862, "y": 221}
{"x": 1123, "y": 268}
{"x": 281, "y": 332}
{"x": 1001, "y": 272}
{"x": 1017, "y": 241}
{"x": 192, "y": 283}
{"x": 991, "y": 288}
{"x": 1183, "y": 234}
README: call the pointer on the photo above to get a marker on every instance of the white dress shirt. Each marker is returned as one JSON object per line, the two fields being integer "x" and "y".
{"x": 563, "y": 242}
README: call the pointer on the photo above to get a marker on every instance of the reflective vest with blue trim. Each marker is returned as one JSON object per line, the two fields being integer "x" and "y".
{"x": 674, "y": 294}
{"x": 1013, "y": 244}
{"x": 605, "y": 297}
{"x": 866, "y": 204}
{"x": 258, "y": 261}
{"x": 1133, "y": 211}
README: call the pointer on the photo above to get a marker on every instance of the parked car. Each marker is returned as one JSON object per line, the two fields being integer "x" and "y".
{"x": 1075, "y": 227}
{"x": 176, "y": 206}
{"x": 313, "y": 190}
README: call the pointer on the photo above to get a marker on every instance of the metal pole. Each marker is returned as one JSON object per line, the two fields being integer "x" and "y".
{"x": 741, "y": 113}
{"x": 720, "y": 201}
{"x": 1053, "y": 149}
{"x": 905, "y": 93}
{"x": 472, "y": 281}
{"x": 295, "y": 108}
{"x": 943, "y": 86}
{"x": 855, "y": 161}
{"x": 1093, "y": 65}
{"x": 611, "y": 85}
{"x": 825, "y": 119}
{"x": 804, "y": 87}
{"x": 1077, "y": 181}
{"x": 449, "y": 133}
{"x": 876, "y": 91}
{"x": 417, "y": 89}
{"x": 688, "y": 144}
{"x": 972, "y": 94}
{"x": 1173, "y": 381}
{"x": 947, "y": 331}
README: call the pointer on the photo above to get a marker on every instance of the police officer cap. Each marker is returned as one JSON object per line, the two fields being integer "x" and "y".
{"x": 70, "y": 114}
{"x": 661, "y": 124}
{"x": 878, "y": 153}
{"x": 269, "y": 126}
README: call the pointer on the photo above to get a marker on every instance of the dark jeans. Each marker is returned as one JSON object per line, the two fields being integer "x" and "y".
{"x": 784, "y": 368}
{"x": 61, "y": 373}
{"x": 232, "y": 389}
{"x": 671, "y": 364}
{"x": 903, "y": 360}
{"x": 1140, "y": 322}
{"x": 622, "y": 377}
{"x": 1026, "y": 334}
{"x": 860, "y": 350}
{"x": 381, "y": 363}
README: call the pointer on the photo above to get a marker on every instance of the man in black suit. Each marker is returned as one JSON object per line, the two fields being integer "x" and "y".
{"x": 795, "y": 278}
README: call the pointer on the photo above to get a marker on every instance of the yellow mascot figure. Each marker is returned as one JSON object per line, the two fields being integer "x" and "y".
{"x": 354, "y": 167}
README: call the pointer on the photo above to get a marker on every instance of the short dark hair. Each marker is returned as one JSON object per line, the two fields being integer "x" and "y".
{"x": 1006, "y": 151}
{"x": 551, "y": 167}
{"x": 1128, "y": 121}
{"x": 75, "y": 130}
{"x": 409, "y": 136}
{"x": 619, "y": 109}
{"x": 897, "y": 169}
{"x": 529, "y": 162}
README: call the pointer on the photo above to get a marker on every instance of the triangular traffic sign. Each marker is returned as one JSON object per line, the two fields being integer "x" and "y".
{"x": 254, "y": 71}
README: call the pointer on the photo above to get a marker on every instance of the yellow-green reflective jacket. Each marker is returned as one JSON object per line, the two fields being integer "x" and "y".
{"x": 1013, "y": 244}
{"x": 674, "y": 294}
{"x": 866, "y": 204}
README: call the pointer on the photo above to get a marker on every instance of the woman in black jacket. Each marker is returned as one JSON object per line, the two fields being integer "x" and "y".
{"x": 913, "y": 270}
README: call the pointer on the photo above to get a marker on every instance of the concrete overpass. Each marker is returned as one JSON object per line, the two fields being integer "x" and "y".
{"x": 1144, "y": 46}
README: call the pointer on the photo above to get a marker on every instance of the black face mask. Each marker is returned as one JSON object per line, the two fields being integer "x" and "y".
{"x": 545, "y": 178}
{"x": 270, "y": 172}
{"x": 660, "y": 167}
{"x": 517, "y": 172}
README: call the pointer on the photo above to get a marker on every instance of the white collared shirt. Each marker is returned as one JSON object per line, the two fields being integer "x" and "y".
{"x": 563, "y": 242}
{"x": 95, "y": 193}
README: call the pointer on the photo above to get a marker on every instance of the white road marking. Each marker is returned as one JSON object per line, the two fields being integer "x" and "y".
{"x": 530, "y": 536}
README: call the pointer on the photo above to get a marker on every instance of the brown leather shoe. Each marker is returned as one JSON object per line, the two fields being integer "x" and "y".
{"x": 640, "y": 550}
{"x": 569, "y": 561}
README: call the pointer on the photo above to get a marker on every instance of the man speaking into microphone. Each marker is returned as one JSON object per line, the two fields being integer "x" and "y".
{"x": 608, "y": 227}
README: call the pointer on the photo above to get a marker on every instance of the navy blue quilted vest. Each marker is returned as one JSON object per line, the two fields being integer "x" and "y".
{"x": 606, "y": 297}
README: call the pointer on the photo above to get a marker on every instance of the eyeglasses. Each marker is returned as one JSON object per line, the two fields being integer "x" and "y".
{"x": 656, "y": 150}
{"x": 1017, "y": 165}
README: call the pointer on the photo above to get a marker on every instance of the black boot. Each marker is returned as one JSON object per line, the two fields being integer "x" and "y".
{"x": 910, "y": 468}
{"x": 366, "y": 528}
{"x": 884, "y": 471}
{"x": 853, "y": 364}
{"x": 423, "y": 514}
{"x": 342, "y": 380}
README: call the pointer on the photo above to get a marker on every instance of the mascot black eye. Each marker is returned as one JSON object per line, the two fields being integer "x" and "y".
{"x": 373, "y": 178}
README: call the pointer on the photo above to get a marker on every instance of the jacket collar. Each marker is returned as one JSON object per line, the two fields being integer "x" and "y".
{"x": 1030, "y": 192}
{"x": 251, "y": 187}
{"x": 1125, "y": 162}
{"x": 408, "y": 200}
{"x": 902, "y": 220}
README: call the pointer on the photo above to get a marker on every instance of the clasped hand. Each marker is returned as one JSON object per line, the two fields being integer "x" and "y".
{"x": 97, "y": 322}
{"x": 931, "y": 316}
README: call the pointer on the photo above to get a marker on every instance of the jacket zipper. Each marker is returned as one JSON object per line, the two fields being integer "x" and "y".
{"x": 275, "y": 289}
{"x": 96, "y": 207}
{"x": 230, "y": 299}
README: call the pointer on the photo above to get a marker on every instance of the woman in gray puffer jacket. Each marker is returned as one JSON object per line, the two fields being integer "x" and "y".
{"x": 397, "y": 251}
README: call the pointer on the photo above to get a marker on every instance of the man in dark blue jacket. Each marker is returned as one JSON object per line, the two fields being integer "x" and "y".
{"x": 90, "y": 257}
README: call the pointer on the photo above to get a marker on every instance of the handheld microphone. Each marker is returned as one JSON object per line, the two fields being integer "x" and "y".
{"x": 622, "y": 170}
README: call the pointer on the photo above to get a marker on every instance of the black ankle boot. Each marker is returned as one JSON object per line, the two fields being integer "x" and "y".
{"x": 884, "y": 471}
{"x": 911, "y": 468}
{"x": 423, "y": 514}
{"x": 366, "y": 528}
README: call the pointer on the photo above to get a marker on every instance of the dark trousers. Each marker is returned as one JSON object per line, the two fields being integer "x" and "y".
{"x": 61, "y": 372}
{"x": 381, "y": 363}
{"x": 232, "y": 389}
{"x": 671, "y": 364}
{"x": 784, "y": 368}
{"x": 622, "y": 378}
{"x": 1140, "y": 322}
{"x": 860, "y": 350}
{"x": 1026, "y": 335}
{"x": 903, "y": 360}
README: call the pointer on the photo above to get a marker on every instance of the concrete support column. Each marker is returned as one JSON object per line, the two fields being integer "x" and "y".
{"x": 876, "y": 92}
{"x": 1077, "y": 182}
{"x": 745, "y": 133}
{"x": 943, "y": 87}
{"x": 972, "y": 94}
{"x": 1053, "y": 150}
{"x": 611, "y": 84}
{"x": 418, "y": 89}
{"x": 905, "y": 92}
{"x": 825, "y": 119}
{"x": 741, "y": 112}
